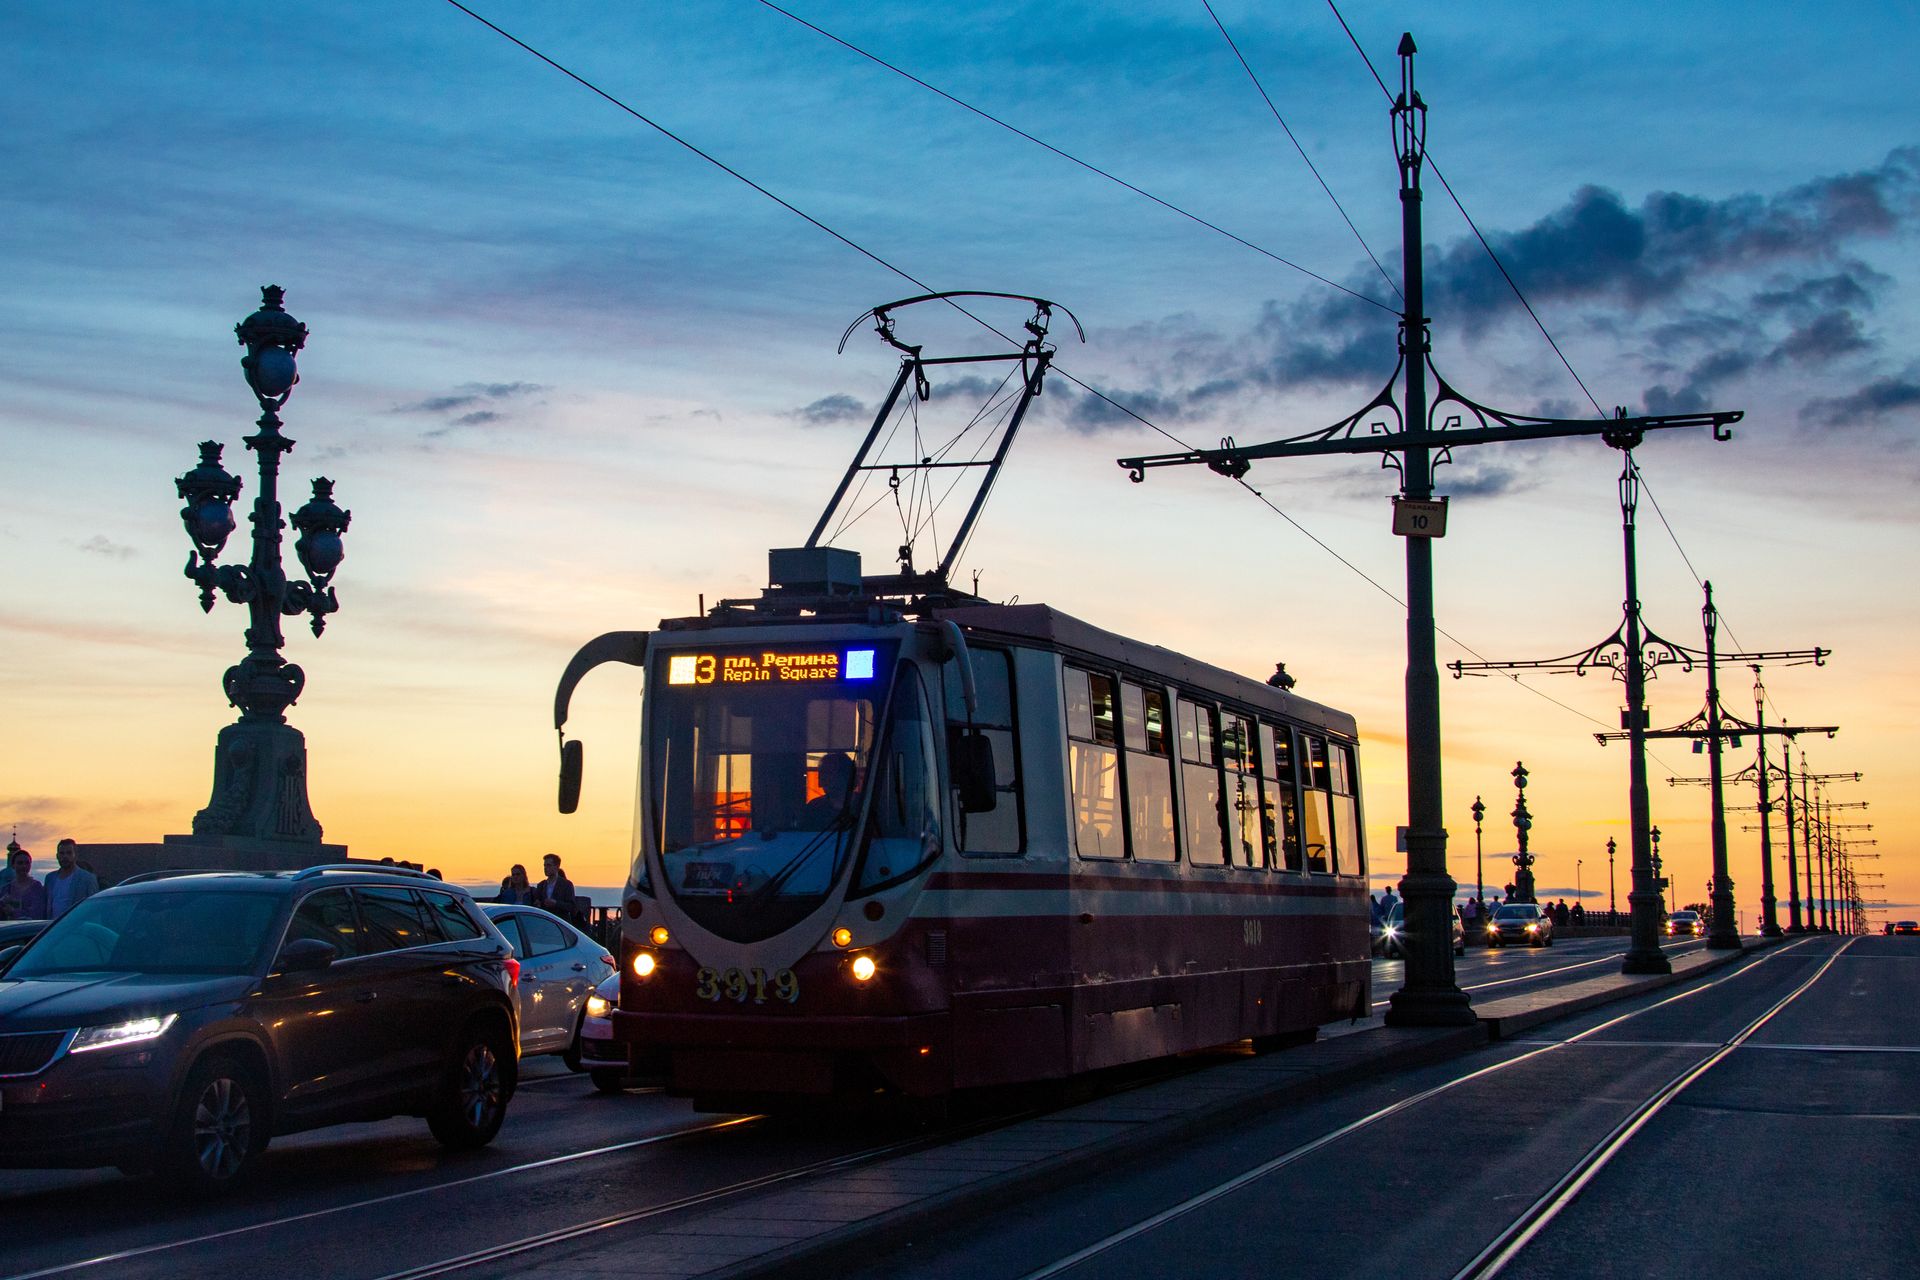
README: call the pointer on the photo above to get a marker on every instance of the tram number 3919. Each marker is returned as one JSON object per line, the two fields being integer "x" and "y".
{"x": 742, "y": 985}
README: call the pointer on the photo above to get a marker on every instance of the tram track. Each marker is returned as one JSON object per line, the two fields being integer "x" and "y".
{"x": 1509, "y": 1243}
{"x": 121, "y": 1256}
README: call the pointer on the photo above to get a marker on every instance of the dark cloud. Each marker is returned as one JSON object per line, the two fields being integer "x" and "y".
{"x": 1871, "y": 404}
{"x": 1480, "y": 482}
{"x": 472, "y": 397}
{"x": 1822, "y": 339}
{"x": 829, "y": 410}
{"x": 101, "y": 545}
{"x": 1852, "y": 289}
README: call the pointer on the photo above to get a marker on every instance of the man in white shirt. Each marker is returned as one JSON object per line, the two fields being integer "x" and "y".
{"x": 69, "y": 885}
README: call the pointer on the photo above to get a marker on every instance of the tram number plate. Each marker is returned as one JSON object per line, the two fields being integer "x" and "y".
{"x": 706, "y": 875}
{"x": 742, "y": 986}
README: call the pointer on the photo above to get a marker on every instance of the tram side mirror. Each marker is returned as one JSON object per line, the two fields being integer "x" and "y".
{"x": 572, "y": 759}
{"x": 973, "y": 775}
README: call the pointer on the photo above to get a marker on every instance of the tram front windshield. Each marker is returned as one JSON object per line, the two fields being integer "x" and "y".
{"x": 756, "y": 768}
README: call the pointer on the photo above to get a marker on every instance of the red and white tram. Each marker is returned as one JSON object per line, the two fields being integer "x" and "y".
{"x": 892, "y": 839}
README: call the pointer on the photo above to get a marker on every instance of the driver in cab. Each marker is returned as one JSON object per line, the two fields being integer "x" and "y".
{"x": 834, "y": 804}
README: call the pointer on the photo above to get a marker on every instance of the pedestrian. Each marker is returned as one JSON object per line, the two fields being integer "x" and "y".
{"x": 1373, "y": 907}
{"x": 554, "y": 893}
{"x": 21, "y": 897}
{"x": 1579, "y": 914}
{"x": 1386, "y": 902}
{"x": 71, "y": 884}
{"x": 1469, "y": 914}
{"x": 516, "y": 888}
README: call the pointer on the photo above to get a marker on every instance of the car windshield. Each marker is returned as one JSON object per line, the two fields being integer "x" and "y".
{"x": 1684, "y": 917}
{"x": 173, "y": 931}
{"x": 1517, "y": 913}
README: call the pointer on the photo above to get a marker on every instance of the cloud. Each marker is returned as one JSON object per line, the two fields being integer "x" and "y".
{"x": 472, "y": 404}
{"x": 1480, "y": 482}
{"x": 101, "y": 545}
{"x": 830, "y": 410}
{"x": 1871, "y": 404}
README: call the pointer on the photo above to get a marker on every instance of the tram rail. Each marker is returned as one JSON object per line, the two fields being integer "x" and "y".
{"x": 1496, "y": 1256}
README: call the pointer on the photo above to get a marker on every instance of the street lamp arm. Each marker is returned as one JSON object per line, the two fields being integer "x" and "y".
{"x": 1610, "y": 655}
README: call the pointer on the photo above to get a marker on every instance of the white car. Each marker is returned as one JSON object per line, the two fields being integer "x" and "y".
{"x": 559, "y": 968}
{"x": 601, "y": 1056}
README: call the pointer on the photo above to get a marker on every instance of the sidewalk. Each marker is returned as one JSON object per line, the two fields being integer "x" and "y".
{"x": 824, "y": 1222}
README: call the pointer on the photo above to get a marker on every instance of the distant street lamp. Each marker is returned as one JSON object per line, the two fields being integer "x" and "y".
{"x": 259, "y": 773}
{"x": 1522, "y": 824}
{"x": 1610, "y": 848}
{"x": 1479, "y": 867}
{"x": 1659, "y": 878}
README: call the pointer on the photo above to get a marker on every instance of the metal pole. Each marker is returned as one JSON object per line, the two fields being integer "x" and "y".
{"x": 1725, "y": 935}
{"x": 1610, "y": 904}
{"x": 1479, "y": 863}
{"x": 1430, "y": 996}
{"x": 1643, "y": 896}
{"x": 1826, "y": 864}
{"x": 1806, "y": 842}
{"x": 1769, "y": 917}
{"x": 1793, "y": 871}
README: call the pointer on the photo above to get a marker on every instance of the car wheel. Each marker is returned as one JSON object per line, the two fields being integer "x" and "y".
{"x": 218, "y": 1128}
{"x": 571, "y": 1054}
{"x": 473, "y": 1094}
{"x": 609, "y": 1079}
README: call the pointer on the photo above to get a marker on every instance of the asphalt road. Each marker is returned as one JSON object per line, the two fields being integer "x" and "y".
{"x": 382, "y": 1200}
{"x": 1632, "y": 1141}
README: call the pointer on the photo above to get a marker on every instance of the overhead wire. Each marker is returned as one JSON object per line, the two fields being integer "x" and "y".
{"x": 912, "y": 279}
{"x": 1084, "y": 164}
{"x": 1311, "y": 167}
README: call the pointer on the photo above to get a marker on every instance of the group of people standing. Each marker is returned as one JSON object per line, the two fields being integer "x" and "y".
{"x": 24, "y": 898}
{"x": 552, "y": 893}
{"x": 1472, "y": 911}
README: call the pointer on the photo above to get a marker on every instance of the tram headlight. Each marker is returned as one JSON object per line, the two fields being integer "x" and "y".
{"x": 843, "y": 937}
{"x": 864, "y": 968}
{"x": 659, "y": 935}
{"x": 644, "y": 964}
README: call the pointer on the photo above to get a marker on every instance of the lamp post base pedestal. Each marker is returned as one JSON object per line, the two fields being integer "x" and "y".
{"x": 1654, "y": 961}
{"x": 1771, "y": 931}
{"x": 1440, "y": 1007}
{"x": 260, "y": 786}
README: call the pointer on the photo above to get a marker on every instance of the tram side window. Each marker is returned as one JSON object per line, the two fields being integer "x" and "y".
{"x": 1094, "y": 764}
{"x": 1149, "y": 743}
{"x": 991, "y": 832}
{"x": 1316, "y": 805}
{"x": 1280, "y": 802}
{"x": 1242, "y": 782}
{"x": 1346, "y": 811}
{"x": 1200, "y": 782}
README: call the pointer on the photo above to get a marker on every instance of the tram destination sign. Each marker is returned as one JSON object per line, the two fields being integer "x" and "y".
{"x": 771, "y": 666}
{"x": 1415, "y": 518}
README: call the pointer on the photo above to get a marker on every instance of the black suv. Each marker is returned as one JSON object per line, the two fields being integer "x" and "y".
{"x": 176, "y": 1022}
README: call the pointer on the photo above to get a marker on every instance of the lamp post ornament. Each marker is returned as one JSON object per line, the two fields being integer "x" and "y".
{"x": 259, "y": 772}
{"x": 1522, "y": 824}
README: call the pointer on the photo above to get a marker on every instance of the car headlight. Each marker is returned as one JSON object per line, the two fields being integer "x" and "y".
{"x": 112, "y": 1036}
{"x": 1492, "y": 927}
{"x": 1391, "y": 932}
{"x": 597, "y": 1006}
{"x": 1533, "y": 928}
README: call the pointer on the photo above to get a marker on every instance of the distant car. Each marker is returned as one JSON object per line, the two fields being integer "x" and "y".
{"x": 603, "y": 1058}
{"x": 1906, "y": 926}
{"x": 1686, "y": 924}
{"x": 1520, "y": 923}
{"x": 559, "y": 968}
{"x": 176, "y": 1023}
{"x": 1390, "y": 936}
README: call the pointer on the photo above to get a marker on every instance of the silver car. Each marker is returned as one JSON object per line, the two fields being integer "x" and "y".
{"x": 559, "y": 968}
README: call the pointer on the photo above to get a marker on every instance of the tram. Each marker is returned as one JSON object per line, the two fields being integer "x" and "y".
{"x": 895, "y": 840}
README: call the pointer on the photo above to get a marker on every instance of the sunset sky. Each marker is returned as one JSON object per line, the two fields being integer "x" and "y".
{"x": 570, "y": 377}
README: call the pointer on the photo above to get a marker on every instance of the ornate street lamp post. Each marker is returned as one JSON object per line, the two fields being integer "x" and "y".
{"x": 1659, "y": 877}
{"x": 260, "y": 765}
{"x": 1522, "y": 824}
{"x": 1479, "y": 867}
{"x": 1610, "y": 849}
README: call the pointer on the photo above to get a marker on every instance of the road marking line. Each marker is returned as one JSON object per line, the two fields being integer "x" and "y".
{"x": 1838, "y": 1048}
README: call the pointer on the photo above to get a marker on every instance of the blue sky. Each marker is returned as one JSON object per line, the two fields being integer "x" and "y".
{"x": 559, "y": 364}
